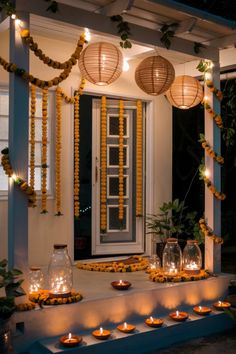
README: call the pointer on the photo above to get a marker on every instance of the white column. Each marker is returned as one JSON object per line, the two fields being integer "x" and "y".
{"x": 18, "y": 149}
{"x": 213, "y": 205}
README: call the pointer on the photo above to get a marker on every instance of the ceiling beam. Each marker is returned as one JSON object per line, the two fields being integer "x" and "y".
{"x": 223, "y": 42}
{"x": 117, "y": 7}
{"x": 103, "y": 24}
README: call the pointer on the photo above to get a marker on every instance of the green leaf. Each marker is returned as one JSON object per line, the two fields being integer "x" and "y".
{"x": 3, "y": 263}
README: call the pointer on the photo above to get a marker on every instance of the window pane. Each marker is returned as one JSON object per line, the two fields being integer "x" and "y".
{"x": 38, "y": 178}
{"x": 38, "y": 112}
{"x": 3, "y": 127}
{"x": 114, "y": 156}
{"x": 114, "y": 222}
{"x": 114, "y": 125}
{"x": 114, "y": 186}
{"x": 4, "y": 103}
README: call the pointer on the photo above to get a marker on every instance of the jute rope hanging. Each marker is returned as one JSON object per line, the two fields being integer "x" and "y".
{"x": 185, "y": 92}
{"x": 154, "y": 75}
{"x": 101, "y": 63}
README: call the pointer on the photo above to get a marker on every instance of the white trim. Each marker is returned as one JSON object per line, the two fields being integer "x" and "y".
{"x": 126, "y": 207}
{"x": 108, "y": 186}
{"x": 108, "y": 155}
{"x": 126, "y": 116}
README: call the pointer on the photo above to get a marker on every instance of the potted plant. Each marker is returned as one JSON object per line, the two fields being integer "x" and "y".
{"x": 173, "y": 220}
{"x": 10, "y": 288}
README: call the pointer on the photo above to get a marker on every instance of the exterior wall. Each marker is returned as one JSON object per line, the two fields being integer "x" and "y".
{"x": 45, "y": 230}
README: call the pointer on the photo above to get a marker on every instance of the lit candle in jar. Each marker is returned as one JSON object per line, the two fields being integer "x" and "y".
{"x": 202, "y": 310}
{"x": 179, "y": 316}
{"x": 154, "y": 322}
{"x": 70, "y": 340}
{"x": 192, "y": 268}
{"x": 222, "y": 305}
{"x": 126, "y": 328}
{"x": 101, "y": 333}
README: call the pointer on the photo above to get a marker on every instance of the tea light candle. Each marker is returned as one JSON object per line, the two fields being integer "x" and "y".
{"x": 126, "y": 327}
{"x": 222, "y": 305}
{"x": 101, "y": 333}
{"x": 202, "y": 310}
{"x": 121, "y": 284}
{"x": 179, "y": 316}
{"x": 192, "y": 268}
{"x": 70, "y": 340}
{"x": 154, "y": 322}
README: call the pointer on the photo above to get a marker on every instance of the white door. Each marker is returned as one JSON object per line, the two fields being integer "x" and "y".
{"x": 124, "y": 237}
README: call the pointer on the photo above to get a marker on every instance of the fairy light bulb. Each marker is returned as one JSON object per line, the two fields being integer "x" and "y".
{"x": 207, "y": 173}
{"x": 125, "y": 67}
{"x": 87, "y": 35}
{"x": 13, "y": 16}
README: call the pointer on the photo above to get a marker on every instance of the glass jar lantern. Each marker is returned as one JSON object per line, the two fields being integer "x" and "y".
{"x": 36, "y": 279}
{"x": 154, "y": 262}
{"x": 172, "y": 257}
{"x": 192, "y": 258}
{"x": 60, "y": 272}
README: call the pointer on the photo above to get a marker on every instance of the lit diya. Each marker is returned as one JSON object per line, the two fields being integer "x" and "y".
{"x": 101, "y": 333}
{"x": 179, "y": 316}
{"x": 154, "y": 322}
{"x": 221, "y": 305}
{"x": 126, "y": 327}
{"x": 202, "y": 310}
{"x": 121, "y": 284}
{"x": 70, "y": 340}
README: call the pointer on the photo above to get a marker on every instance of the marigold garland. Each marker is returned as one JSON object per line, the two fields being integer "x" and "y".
{"x": 33, "y": 46}
{"x": 139, "y": 158}
{"x": 212, "y": 88}
{"x": 30, "y": 192}
{"x": 206, "y": 146}
{"x": 213, "y": 190}
{"x": 44, "y": 148}
{"x": 32, "y": 134}
{"x": 13, "y": 68}
{"x": 103, "y": 179}
{"x": 208, "y": 231}
{"x": 121, "y": 162}
{"x": 216, "y": 117}
{"x": 76, "y": 156}
{"x": 43, "y": 297}
{"x": 160, "y": 277}
{"x": 58, "y": 152}
{"x": 26, "y": 306}
{"x": 140, "y": 263}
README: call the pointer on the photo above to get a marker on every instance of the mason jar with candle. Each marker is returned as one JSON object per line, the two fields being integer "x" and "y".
{"x": 172, "y": 257}
{"x": 60, "y": 277}
{"x": 36, "y": 279}
{"x": 192, "y": 258}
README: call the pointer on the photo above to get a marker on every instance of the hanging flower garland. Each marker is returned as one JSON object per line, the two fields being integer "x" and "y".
{"x": 206, "y": 146}
{"x": 11, "y": 67}
{"x": 208, "y": 231}
{"x": 33, "y": 46}
{"x": 218, "y": 93}
{"x": 216, "y": 117}
{"x": 103, "y": 193}
{"x": 139, "y": 158}
{"x": 58, "y": 152}
{"x": 76, "y": 156}
{"x": 121, "y": 161}
{"x": 30, "y": 192}
{"x": 209, "y": 184}
{"x": 44, "y": 165}
{"x": 32, "y": 134}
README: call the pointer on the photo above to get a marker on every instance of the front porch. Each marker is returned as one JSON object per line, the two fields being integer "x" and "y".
{"x": 104, "y": 306}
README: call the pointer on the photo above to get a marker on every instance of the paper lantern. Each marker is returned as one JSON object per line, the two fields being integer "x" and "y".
{"x": 185, "y": 92}
{"x": 154, "y": 75}
{"x": 101, "y": 63}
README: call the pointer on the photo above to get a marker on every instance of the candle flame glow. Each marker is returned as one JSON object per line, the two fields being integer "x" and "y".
{"x": 219, "y": 303}
{"x": 69, "y": 336}
{"x": 125, "y": 325}
{"x": 151, "y": 318}
{"x": 200, "y": 308}
{"x": 177, "y": 313}
{"x": 101, "y": 330}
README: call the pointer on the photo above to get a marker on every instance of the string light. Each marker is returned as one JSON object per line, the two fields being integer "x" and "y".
{"x": 13, "y": 16}
{"x": 87, "y": 35}
{"x": 207, "y": 173}
{"x": 125, "y": 67}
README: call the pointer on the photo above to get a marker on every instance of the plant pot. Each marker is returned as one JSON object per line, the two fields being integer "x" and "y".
{"x": 5, "y": 336}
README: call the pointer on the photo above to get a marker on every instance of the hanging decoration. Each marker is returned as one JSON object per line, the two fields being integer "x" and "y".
{"x": 139, "y": 158}
{"x": 44, "y": 165}
{"x": 76, "y": 156}
{"x": 185, "y": 92}
{"x": 101, "y": 63}
{"x": 30, "y": 192}
{"x": 12, "y": 67}
{"x": 121, "y": 162}
{"x": 154, "y": 75}
{"x": 32, "y": 134}
{"x": 206, "y": 146}
{"x": 58, "y": 152}
{"x": 208, "y": 231}
{"x": 103, "y": 192}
